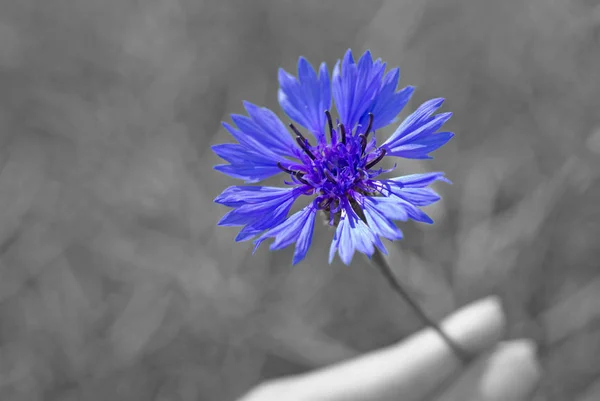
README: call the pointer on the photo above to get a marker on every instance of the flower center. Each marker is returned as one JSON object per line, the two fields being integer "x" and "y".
{"x": 339, "y": 168}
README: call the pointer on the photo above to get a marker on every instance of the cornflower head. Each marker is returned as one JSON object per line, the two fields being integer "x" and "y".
{"x": 338, "y": 167}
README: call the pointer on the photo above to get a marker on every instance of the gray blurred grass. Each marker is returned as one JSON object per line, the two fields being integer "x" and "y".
{"x": 115, "y": 282}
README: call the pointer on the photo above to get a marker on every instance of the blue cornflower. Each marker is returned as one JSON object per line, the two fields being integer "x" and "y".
{"x": 338, "y": 168}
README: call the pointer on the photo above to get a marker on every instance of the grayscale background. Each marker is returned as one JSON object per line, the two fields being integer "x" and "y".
{"x": 115, "y": 283}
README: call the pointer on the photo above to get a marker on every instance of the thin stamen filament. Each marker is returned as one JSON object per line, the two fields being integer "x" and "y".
{"x": 363, "y": 143}
{"x": 303, "y": 143}
{"x": 299, "y": 177}
{"x": 330, "y": 123}
{"x": 370, "y": 125}
{"x": 330, "y": 177}
{"x": 286, "y": 169}
{"x": 298, "y": 133}
{"x": 377, "y": 160}
{"x": 343, "y": 132}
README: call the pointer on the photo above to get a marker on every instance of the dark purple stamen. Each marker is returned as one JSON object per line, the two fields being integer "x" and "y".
{"x": 370, "y": 125}
{"x": 363, "y": 143}
{"x": 330, "y": 177}
{"x": 302, "y": 180}
{"x": 296, "y": 174}
{"x": 298, "y": 133}
{"x": 377, "y": 159}
{"x": 343, "y": 132}
{"x": 303, "y": 143}
{"x": 330, "y": 122}
{"x": 286, "y": 169}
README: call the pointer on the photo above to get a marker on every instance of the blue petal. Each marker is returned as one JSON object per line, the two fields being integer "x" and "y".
{"x": 270, "y": 129}
{"x": 305, "y": 238}
{"x": 414, "y": 212}
{"x": 252, "y": 160}
{"x": 394, "y": 207}
{"x": 418, "y": 117}
{"x": 250, "y": 139}
{"x": 236, "y": 196}
{"x": 266, "y": 222}
{"x": 250, "y": 174}
{"x": 263, "y": 142}
{"x": 418, "y": 196}
{"x": 413, "y": 188}
{"x": 387, "y": 206}
{"x": 416, "y": 137}
{"x": 388, "y": 103}
{"x": 420, "y": 180}
{"x": 297, "y": 228}
{"x": 380, "y": 224}
{"x": 247, "y": 233}
{"x": 305, "y": 99}
{"x": 237, "y": 154}
{"x": 342, "y": 241}
{"x": 428, "y": 126}
{"x": 421, "y": 148}
{"x": 343, "y": 86}
{"x": 353, "y": 234}
{"x": 263, "y": 215}
{"x": 356, "y": 86}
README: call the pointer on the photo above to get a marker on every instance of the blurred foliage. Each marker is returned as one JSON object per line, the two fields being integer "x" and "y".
{"x": 116, "y": 284}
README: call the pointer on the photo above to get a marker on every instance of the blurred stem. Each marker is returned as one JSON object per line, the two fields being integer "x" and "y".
{"x": 379, "y": 261}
